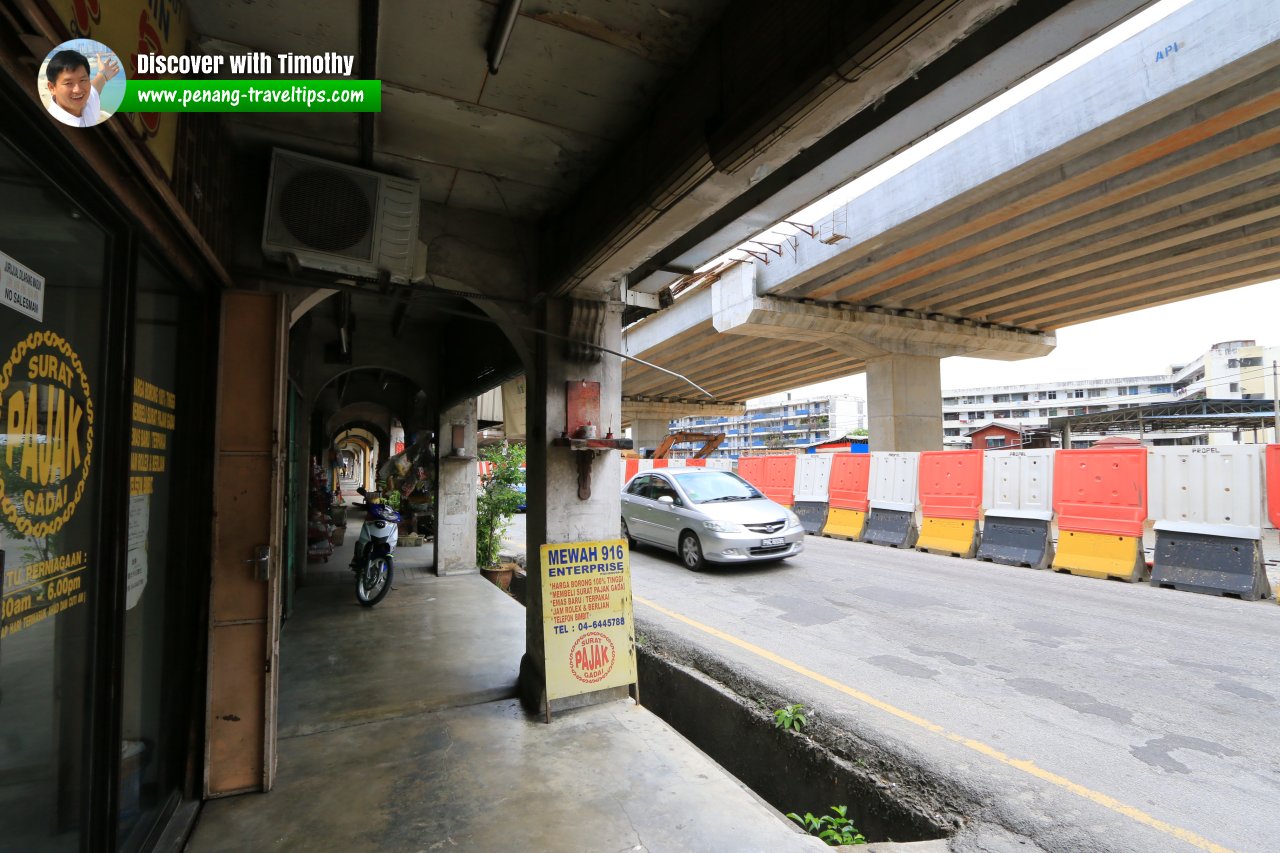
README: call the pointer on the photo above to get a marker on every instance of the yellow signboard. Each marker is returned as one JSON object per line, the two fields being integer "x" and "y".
{"x": 587, "y": 627}
{"x": 131, "y": 27}
{"x": 46, "y": 419}
{"x": 46, "y": 416}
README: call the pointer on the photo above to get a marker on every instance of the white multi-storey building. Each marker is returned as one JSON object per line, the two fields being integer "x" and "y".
{"x": 780, "y": 422}
{"x": 1234, "y": 370}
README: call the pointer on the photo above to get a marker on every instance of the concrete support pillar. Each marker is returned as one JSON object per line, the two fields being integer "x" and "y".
{"x": 904, "y": 405}
{"x": 555, "y": 513}
{"x": 458, "y": 483}
{"x": 648, "y": 433}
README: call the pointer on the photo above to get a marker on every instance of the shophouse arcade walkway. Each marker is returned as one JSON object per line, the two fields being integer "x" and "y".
{"x": 399, "y": 730}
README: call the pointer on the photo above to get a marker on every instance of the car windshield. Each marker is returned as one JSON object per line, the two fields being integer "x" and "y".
{"x": 709, "y": 486}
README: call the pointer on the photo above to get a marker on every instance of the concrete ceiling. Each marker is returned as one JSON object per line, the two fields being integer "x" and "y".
{"x": 620, "y": 137}
{"x": 622, "y": 132}
{"x": 575, "y": 79}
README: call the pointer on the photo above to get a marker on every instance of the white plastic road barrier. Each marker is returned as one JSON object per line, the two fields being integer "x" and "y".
{"x": 1207, "y": 502}
{"x": 892, "y": 496}
{"x": 813, "y": 477}
{"x": 1017, "y": 496}
{"x": 894, "y": 481}
{"x": 1213, "y": 489}
{"x": 1018, "y": 483}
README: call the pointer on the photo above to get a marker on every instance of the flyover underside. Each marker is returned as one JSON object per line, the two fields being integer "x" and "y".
{"x": 732, "y": 367}
{"x": 1136, "y": 180}
{"x": 1186, "y": 203}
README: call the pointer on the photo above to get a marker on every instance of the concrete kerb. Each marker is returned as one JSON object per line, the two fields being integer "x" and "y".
{"x": 894, "y": 768}
{"x": 890, "y": 787}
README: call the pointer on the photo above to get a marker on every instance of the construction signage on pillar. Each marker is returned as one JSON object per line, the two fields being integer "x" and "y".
{"x": 587, "y": 626}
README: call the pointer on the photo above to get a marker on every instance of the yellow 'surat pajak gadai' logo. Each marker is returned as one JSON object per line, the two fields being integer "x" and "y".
{"x": 46, "y": 411}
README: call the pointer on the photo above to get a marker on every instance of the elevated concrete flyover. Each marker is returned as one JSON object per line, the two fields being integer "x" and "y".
{"x": 1146, "y": 176}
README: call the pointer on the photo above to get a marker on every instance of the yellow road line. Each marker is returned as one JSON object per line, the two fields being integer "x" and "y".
{"x": 1028, "y": 767}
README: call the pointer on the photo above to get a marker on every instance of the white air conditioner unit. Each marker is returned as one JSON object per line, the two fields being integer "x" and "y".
{"x": 341, "y": 219}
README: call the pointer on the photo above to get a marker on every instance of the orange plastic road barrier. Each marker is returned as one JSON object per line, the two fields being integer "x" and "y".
{"x": 847, "y": 496}
{"x": 632, "y": 468}
{"x": 661, "y": 463}
{"x": 1273, "y": 485}
{"x": 1100, "y": 495}
{"x": 780, "y": 479}
{"x": 1099, "y": 555}
{"x": 850, "y": 473}
{"x": 951, "y": 484}
{"x": 695, "y": 463}
{"x": 1101, "y": 490}
{"x": 751, "y": 469}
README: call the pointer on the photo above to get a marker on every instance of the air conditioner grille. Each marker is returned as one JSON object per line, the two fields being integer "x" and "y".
{"x": 328, "y": 211}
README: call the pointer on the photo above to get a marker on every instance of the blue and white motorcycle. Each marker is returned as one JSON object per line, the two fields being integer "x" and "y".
{"x": 373, "y": 562}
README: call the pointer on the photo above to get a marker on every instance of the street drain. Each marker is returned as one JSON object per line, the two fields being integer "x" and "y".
{"x": 793, "y": 773}
{"x": 886, "y": 801}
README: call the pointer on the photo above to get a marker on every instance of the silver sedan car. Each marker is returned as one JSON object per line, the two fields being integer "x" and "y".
{"x": 707, "y": 515}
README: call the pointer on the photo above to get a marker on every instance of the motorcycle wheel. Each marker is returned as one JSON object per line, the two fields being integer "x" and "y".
{"x": 373, "y": 582}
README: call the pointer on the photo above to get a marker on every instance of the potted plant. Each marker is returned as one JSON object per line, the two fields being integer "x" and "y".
{"x": 496, "y": 503}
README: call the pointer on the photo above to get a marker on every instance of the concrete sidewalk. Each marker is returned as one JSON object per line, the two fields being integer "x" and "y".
{"x": 399, "y": 730}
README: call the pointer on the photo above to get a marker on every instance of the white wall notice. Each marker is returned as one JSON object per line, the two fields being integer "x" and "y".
{"x": 21, "y": 289}
{"x": 139, "y": 527}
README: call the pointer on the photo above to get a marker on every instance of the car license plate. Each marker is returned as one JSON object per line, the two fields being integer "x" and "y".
{"x": 778, "y": 540}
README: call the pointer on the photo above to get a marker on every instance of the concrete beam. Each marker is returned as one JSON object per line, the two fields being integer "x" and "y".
{"x": 863, "y": 332}
{"x": 1132, "y": 85}
{"x": 633, "y": 408}
{"x": 647, "y": 338}
{"x": 887, "y": 130}
{"x": 704, "y": 195}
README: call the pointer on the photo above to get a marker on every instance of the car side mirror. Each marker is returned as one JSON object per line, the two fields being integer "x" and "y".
{"x": 666, "y": 499}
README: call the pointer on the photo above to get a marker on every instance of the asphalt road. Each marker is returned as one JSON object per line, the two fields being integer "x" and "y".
{"x": 1084, "y": 715}
{"x": 1151, "y": 717}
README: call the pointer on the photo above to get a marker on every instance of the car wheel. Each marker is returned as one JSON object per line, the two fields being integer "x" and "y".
{"x": 626, "y": 534}
{"x": 691, "y": 553}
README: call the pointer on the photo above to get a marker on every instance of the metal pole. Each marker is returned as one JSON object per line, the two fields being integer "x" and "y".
{"x": 1275, "y": 400}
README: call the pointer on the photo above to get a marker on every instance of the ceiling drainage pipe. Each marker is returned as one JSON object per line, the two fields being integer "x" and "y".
{"x": 500, "y": 33}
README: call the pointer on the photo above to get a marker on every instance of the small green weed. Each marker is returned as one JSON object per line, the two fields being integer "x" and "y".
{"x": 834, "y": 830}
{"x": 790, "y": 718}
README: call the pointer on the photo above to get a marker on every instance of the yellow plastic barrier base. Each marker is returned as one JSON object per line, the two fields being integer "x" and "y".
{"x": 954, "y": 536}
{"x": 1100, "y": 555}
{"x": 845, "y": 524}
